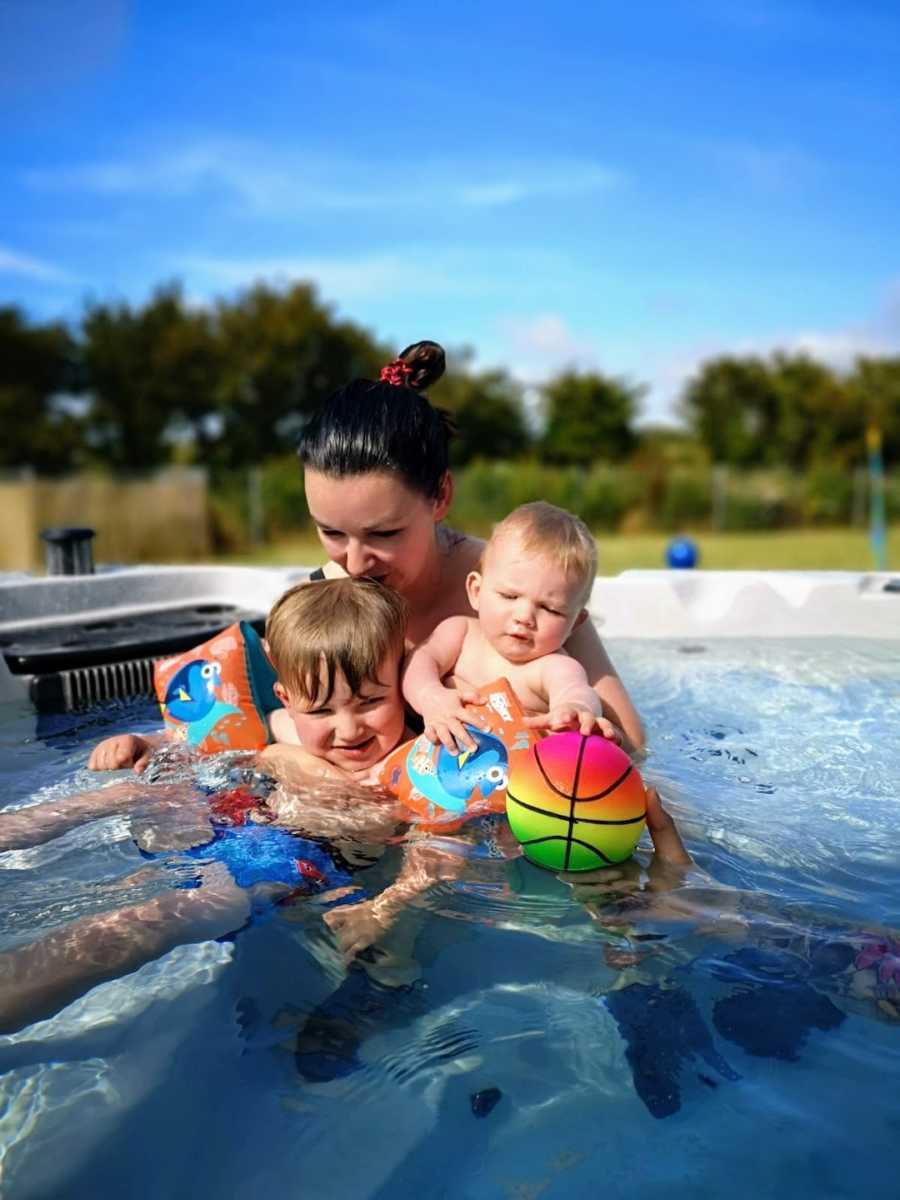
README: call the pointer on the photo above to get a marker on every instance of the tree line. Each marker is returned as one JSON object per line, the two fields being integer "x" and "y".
{"x": 135, "y": 387}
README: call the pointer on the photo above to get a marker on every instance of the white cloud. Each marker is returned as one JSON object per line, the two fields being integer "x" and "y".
{"x": 346, "y": 279}
{"x": 805, "y": 22}
{"x": 765, "y": 16}
{"x": 766, "y": 168}
{"x": 416, "y": 273}
{"x": 14, "y": 263}
{"x": 271, "y": 180}
{"x": 536, "y": 348}
{"x": 877, "y": 336}
{"x": 546, "y": 179}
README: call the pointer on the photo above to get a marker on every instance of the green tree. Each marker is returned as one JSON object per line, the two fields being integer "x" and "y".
{"x": 874, "y": 390}
{"x": 37, "y": 373}
{"x": 284, "y": 353}
{"x": 813, "y": 406}
{"x": 731, "y": 407}
{"x": 589, "y": 418}
{"x": 488, "y": 412}
{"x": 152, "y": 373}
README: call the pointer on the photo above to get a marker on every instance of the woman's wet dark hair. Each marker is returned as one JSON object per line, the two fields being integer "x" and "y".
{"x": 385, "y": 426}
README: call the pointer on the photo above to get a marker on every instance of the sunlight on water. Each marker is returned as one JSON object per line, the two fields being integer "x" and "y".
{"x": 515, "y": 1035}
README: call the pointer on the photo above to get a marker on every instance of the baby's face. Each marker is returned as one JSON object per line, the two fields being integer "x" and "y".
{"x": 527, "y": 605}
{"x": 352, "y": 730}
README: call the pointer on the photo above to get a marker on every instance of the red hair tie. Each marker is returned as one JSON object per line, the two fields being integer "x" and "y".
{"x": 395, "y": 373}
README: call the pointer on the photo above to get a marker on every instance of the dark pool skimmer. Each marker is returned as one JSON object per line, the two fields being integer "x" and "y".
{"x": 68, "y": 550}
{"x": 82, "y": 663}
{"x": 74, "y": 639}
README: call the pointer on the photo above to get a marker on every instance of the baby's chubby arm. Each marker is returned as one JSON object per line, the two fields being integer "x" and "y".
{"x": 571, "y": 701}
{"x": 442, "y": 708}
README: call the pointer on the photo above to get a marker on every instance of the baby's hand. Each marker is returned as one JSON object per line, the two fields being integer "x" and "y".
{"x": 444, "y": 713}
{"x": 575, "y": 716}
{"x": 123, "y": 750}
{"x": 607, "y": 730}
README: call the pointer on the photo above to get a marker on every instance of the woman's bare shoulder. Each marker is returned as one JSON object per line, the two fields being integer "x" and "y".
{"x": 331, "y": 570}
{"x": 328, "y": 570}
{"x": 463, "y": 550}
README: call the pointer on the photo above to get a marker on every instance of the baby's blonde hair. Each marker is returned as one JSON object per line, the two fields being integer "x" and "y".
{"x": 552, "y": 533}
{"x": 349, "y": 627}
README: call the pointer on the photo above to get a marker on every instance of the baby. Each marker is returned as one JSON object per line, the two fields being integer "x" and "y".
{"x": 536, "y": 575}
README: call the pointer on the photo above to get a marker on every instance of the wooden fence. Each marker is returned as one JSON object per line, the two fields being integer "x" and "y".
{"x": 161, "y": 518}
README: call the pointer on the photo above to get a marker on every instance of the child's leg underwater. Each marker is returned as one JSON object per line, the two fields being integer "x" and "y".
{"x": 41, "y": 823}
{"x": 39, "y": 979}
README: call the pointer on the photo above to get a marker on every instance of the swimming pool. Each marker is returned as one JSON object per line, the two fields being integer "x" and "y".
{"x": 780, "y": 760}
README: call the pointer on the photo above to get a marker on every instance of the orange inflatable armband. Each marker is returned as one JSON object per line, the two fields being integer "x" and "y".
{"x": 444, "y": 790}
{"x": 217, "y": 695}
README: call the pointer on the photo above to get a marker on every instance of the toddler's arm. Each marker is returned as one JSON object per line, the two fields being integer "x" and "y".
{"x": 135, "y": 749}
{"x": 571, "y": 701}
{"x": 125, "y": 750}
{"x": 442, "y": 708}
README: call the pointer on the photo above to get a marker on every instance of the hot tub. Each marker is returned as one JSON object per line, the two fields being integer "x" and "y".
{"x": 696, "y": 1037}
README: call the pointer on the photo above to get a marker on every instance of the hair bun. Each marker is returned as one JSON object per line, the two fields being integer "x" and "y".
{"x": 426, "y": 362}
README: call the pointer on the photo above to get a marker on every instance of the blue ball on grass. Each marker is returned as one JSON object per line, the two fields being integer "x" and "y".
{"x": 682, "y": 553}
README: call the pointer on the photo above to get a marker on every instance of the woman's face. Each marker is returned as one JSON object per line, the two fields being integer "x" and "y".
{"x": 375, "y": 525}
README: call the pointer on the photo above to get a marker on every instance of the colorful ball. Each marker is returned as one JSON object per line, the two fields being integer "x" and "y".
{"x": 575, "y": 803}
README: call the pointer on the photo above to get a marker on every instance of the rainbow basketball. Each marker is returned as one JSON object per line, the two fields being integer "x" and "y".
{"x": 575, "y": 803}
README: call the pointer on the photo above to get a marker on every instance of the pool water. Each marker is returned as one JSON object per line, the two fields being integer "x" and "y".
{"x": 546, "y": 1041}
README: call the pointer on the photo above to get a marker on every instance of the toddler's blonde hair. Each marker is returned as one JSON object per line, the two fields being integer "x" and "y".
{"x": 349, "y": 627}
{"x": 551, "y": 533}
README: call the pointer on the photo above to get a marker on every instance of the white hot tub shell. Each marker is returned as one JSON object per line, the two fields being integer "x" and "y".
{"x": 635, "y": 604}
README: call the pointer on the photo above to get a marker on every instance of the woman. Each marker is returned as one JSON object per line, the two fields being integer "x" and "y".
{"x": 378, "y": 486}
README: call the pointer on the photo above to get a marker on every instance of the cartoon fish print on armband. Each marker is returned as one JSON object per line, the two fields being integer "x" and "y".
{"x": 193, "y": 701}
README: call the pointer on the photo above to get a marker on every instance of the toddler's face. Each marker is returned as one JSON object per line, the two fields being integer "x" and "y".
{"x": 527, "y": 605}
{"x": 352, "y": 730}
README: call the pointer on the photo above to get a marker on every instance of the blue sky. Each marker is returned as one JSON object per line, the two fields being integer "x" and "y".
{"x": 630, "y": 187}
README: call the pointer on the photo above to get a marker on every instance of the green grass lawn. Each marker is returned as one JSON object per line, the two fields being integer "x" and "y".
{"x": 787, "y": 550}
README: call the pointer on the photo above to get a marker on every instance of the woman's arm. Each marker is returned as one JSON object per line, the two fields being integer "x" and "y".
{"x": 358, "y": 926}
{"x": 39, "y": 823}
{"x": 585, "y": 646}
{"x": 291, "y": 764}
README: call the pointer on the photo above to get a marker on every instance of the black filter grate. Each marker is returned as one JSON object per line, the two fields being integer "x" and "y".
{"x": 84, "y": 687}
{"x": 75, "y": 665}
